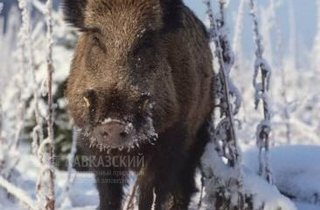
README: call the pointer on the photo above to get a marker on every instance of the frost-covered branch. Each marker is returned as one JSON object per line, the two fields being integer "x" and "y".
{"x": 223, "y": 189}
{"x": 24, "y": 42}
{"x": 46, "y": 180}
{"x": 51, "y": 194}
{"x": 224, "y": 87}
{"x": 26, "y": 37}
{"x": 17, "y": 193}
{"x": 71, "y": 171}
{"x": 45, "y": 197}
{"x": 262, "y": 67}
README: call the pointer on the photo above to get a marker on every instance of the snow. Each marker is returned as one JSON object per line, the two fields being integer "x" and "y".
{"x": 83, "y": 194}
{"x": 265, "y": 194}
{"x": 306, "y": 206}
{"x": 295, "y": 168}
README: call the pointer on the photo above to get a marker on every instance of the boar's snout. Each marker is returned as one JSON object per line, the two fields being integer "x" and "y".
{"x": 116, "y": 119}
{"x": 113, "y": 134}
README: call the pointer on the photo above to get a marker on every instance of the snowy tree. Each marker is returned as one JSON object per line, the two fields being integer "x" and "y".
{"x": 262, "y": 67}
{"x": 27, "y": 110}
{"x": 223, "y": 184}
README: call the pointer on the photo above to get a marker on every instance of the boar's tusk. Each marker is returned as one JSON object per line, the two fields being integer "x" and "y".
{"x": 87, "y": 101}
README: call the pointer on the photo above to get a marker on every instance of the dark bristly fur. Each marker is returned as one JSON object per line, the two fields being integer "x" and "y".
{"x": 137, "y": 59}
{"x": 74, "y": 11}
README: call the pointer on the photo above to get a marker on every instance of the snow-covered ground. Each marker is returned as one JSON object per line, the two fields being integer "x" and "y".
{"x": 293, "y": 52}
{"x": 296, "y": 172}
{"x": 295, "y": 168}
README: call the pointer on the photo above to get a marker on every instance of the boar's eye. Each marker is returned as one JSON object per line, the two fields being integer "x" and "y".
{"x": 145, "y": 42}
{"x": 97, "y": 42}
{"x": 95, "y": 35}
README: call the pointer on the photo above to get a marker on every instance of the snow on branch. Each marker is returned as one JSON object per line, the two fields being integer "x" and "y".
{"x": 45, "y": 187}
{"x": 223, "y": 188}
{"x": 46, "y": 180}
{"x": 50, "y": 199}
{"x": 225, "y": 89}
{"x": 65, "y": 195}
{"x": 262, "y": 68}
{"x": 37, "y": 133}
{"x": 17, "y": 193}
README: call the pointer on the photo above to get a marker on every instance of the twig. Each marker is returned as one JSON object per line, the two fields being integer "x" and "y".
{"x": 45, "y": 151}
{"x": 225, "y": 63}
{"x": 70, "y": 178}
{"x": 18, "y": 193}
{"x": 50, "y": 205}
{"x": 224, "y": 136}
{"x": 262, "y": 89}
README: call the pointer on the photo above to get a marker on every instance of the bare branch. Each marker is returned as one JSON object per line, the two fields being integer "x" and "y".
{"x": 17, "y": 193}
{"x": 262, "y": 94}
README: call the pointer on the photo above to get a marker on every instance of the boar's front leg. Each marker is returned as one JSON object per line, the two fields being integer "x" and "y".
{"x": 146, "y": 191}
{"x": 161, "y": 171}
{"x": 156, "y": 187}
{"x": 110, "y": 183}
{"x": 185, "y": 186}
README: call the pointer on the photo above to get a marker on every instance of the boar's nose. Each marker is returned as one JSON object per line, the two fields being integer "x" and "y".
{"x": 112, "y": 134}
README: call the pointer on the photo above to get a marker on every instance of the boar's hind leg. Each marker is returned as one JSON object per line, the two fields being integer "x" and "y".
{"x": 110, "y": 182}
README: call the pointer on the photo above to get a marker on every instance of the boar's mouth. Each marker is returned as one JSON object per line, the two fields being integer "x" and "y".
{"x": 130, "y": 137}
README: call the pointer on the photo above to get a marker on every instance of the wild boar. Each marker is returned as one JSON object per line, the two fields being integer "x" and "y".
{"x": 141, "y": 85}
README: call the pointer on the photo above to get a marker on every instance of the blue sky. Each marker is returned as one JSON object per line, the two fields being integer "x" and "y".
{"x": 305, "y": 15}
{"x": 197, "y": 6}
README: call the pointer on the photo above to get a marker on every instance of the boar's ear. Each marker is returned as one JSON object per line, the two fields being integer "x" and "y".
{"x": 74, "y": 11}
{"x": 171, "y": 12}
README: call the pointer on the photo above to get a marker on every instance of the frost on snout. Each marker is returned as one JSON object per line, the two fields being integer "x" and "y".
{"x": 112, "y": 134}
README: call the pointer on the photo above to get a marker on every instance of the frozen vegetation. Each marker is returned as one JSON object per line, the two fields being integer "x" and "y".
{"x": 265, "y": 150}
